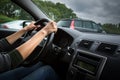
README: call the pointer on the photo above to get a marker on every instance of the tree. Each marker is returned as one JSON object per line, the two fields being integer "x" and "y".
{"x": 6, "y": 7}
{"x": 58, "y": 10}
{"x": 55, "y": 11}
{"x": 64, "y": 11}
{"x": 111, "y": 28}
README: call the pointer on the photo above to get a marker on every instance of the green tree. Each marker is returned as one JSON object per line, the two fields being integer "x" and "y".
{"x": 56, "y": 11}
{"x": 64, "y": 11}
{"x": 8, "y": 8}
{"x": 111, "y": 28}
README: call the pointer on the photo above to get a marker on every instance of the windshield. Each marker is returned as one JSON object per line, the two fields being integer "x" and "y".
{"x": 105, "y": 13}
{"x": 64, "y": 23}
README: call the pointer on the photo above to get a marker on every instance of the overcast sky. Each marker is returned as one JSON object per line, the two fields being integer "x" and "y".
{"x": 103, "y": 11}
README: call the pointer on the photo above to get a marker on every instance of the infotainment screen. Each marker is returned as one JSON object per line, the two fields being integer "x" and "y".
{"x": 86, "y": 66}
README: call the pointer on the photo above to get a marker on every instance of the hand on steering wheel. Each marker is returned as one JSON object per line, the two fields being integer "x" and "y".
{"x": 34, "y": 58}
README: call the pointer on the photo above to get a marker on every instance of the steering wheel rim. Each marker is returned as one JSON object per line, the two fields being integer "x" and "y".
{"x": 32, "y": 60}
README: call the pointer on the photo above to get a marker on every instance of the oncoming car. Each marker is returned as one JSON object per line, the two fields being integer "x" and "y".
{"x": 81, "y": 25}
{"x": 73, "y": 54}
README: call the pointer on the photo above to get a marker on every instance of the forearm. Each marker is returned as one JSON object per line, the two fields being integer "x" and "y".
{"x": 12, "y": 38}
{"x": 27, "y": 48}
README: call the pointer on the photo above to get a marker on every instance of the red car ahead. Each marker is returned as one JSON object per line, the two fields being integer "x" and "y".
{"x": 81, "y": 25}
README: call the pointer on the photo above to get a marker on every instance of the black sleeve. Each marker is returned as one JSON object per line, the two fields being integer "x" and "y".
{"x": 5, "y": 45}
{"x": 10, "y": 60}
{"x": 5, "y": 62}
{"x": 15, "y": 57}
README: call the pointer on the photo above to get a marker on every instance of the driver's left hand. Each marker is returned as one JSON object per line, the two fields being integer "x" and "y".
{"x": 31, "y": 26}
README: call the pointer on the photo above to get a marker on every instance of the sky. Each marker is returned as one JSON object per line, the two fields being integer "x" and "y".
{"x": 100, "y": 11}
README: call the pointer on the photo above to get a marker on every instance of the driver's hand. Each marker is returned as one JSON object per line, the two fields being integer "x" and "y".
{"x": 31, "y": 26}
{"x": 50, "y": 27}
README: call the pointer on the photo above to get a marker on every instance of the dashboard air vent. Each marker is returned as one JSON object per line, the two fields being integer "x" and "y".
{"x": 107, "y": 48}
{"x": 85, "y": 44}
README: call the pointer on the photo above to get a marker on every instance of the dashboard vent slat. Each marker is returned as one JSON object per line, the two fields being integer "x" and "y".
{"x": 85, "y": 44}
{"x": 107, "y": 48}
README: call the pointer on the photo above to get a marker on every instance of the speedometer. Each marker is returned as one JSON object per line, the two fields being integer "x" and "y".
{"x": 64, "y": 42}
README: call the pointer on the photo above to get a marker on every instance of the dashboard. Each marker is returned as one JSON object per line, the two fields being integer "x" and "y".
{"x": 63, "y": 39}
{"x": 94, "y": 56}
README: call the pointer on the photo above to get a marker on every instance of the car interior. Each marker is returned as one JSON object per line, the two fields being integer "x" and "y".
{"x": 74, "y": 55}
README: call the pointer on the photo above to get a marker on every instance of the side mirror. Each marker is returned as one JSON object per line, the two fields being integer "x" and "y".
{"x": 25, "y": 23}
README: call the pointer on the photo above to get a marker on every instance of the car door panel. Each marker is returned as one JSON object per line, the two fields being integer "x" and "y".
{"x": 6, "y": 32}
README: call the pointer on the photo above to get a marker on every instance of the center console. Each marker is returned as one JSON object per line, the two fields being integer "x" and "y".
{"x": 86, "y": 66}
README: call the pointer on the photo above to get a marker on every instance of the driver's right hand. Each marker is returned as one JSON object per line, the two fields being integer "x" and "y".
{"x": 50, "y": 27}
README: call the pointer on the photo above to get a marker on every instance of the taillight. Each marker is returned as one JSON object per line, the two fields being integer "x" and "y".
{"x": 5, "y": 26}
{"x": 72, "y": 25}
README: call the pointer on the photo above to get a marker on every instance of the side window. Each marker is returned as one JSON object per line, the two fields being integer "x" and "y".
{"x": 64, "y": 23}
{"x": 95, "y": 26}
{"x": 12, "y": 16}
{"x": 78, "y": 23}
{"x": 87, "y": 24}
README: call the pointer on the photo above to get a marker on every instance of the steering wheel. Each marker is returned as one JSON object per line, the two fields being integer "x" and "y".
{"x": 34, "y": 58}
